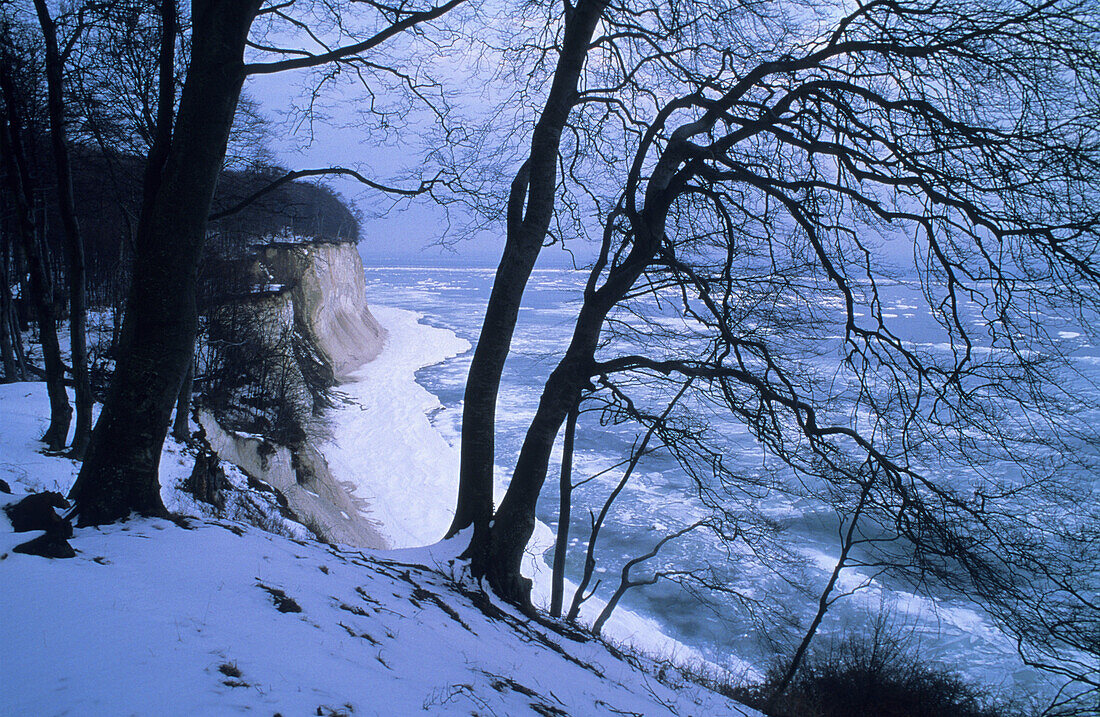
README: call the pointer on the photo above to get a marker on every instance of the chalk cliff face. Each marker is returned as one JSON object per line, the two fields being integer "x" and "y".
{"x": 302, "y": 476}
{"x": 327, "y": 290}
{"x": 308, "y": 321}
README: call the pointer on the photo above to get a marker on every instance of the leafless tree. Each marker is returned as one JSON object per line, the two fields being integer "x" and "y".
{"x": 586, "y": 72}
{"x": 530, "y": 209}
{"x": 119, "y": 474}
{"x": 750, "y": 210}
{"x": 55, "y": 56}
{"x": 18, "y": 79}
{"x": 11, "y": 340}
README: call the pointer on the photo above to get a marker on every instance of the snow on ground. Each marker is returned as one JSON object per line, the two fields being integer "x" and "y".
{"x": 384, "y": 446}
{"x": 383, "y": 442}
{"x": 24, "y": 417}
{"x": 219, "y": 618}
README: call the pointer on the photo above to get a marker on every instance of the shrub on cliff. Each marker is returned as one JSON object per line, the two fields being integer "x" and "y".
{"x": 250, "y": 377}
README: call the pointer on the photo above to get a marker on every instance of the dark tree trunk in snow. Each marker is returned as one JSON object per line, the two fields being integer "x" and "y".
{"x": 515, "y": 518}
{"x": 181, "y": 427}
{"x": 34, "y": 251}
{"x": 530, "y": 209}
{"x": 10, "y": 319}
{"x": 119, "y": 474}
{"x": 74, "y": 246}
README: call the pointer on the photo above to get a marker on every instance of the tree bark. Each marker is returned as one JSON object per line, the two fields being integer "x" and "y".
{"x": 41, "y": 288}
{"x": 530, "y": 209}
{"x": 119, "y": 474}
{"x": 181, "y": 427}
{"x": 7, "y": 355}
{"x": 565, "y": 505}
{"x": 515, "y": 518}
{"x": 74, "y": 246}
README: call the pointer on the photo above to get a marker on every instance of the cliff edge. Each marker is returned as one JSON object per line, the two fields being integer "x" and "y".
{"x": 301, "y": 328}
{"x": 328, "y": 292}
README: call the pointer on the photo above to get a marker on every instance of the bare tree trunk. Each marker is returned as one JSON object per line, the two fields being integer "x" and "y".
{"x": 8, "y": 332}
{"x": 7, "y": 355}
{"x": 181, "y": 427}
{"x": 530, "y": 209}
{"x": 74, "y": 245}
{"x": 119, "y": 290}
{"x": 515, "y": 519}
{"x": 565, "y": 504}
{"x": 41, "y": 289}
{"x": 119, "y": 474}
{"x": 17, "y": 344}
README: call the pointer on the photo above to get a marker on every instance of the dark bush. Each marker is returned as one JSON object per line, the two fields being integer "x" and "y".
{"x": 876, "y": 674}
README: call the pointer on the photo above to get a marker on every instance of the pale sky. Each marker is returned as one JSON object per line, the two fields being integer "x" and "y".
{"x": 408, "y": 236}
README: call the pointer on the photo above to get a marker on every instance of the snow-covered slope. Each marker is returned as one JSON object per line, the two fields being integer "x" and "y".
{"x": 216, "y": 617}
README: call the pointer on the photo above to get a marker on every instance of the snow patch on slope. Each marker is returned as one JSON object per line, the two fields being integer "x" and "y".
{"x": 151, "y": 618}
{"x": 218, "y": 618}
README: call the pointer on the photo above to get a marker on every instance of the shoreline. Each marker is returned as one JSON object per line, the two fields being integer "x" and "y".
{"x": 381, "y": 445}
{"x": 421, "y": 503}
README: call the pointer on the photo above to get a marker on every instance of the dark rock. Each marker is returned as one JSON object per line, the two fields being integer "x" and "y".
{"x": 207, "y": 480}
{"x": 4, "y": 487}
{"x": 46, "y": 546}
{"x": 36, "y": 512}
{"x": 304, "y": 472}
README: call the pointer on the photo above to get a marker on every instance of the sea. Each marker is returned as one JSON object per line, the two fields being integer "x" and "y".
{"x": 747, "y": 613}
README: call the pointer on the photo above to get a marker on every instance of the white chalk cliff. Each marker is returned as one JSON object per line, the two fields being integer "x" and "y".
{"x": 328, "y": 292}
{"x": 319, "y": 290}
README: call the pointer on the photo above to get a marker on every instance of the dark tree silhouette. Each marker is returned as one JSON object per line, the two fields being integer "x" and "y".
{"x": 18, "y": 183}
{"x": 752, "y": 203}
{"x": 74, "y": 245}
{"x": 119, "y": 474}
{"x": 531, "y": 202}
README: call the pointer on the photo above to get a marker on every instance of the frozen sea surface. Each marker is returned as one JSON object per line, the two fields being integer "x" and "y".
{"x": 949, "y": 631}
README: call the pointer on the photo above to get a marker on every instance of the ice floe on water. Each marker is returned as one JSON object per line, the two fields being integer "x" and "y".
{"x": 951, "y": 632}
